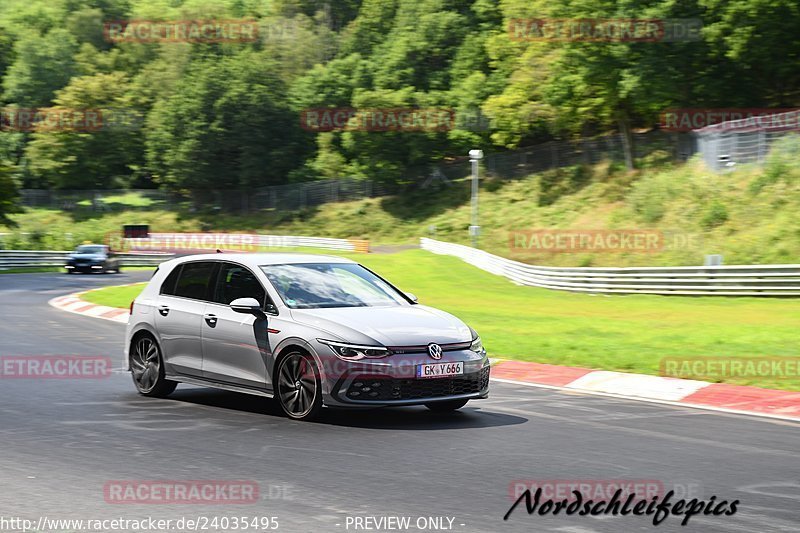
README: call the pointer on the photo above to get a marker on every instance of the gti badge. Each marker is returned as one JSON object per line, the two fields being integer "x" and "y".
{"x": 435, "y": 351}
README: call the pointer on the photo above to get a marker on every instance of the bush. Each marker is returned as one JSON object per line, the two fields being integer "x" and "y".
{"x": 715, "y": 215}
{"x": 649, "y": 196}
{"x": 561, "y": 182}
{"x": 781, "y": 163}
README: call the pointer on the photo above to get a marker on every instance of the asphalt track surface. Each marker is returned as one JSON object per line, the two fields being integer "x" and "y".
{"x": 61, "y": 441}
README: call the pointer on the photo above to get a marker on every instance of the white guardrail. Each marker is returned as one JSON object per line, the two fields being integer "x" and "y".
{"x": 10, "y": 259}
{"x": 159, "y": 247}
{"x": 743, "y": 280}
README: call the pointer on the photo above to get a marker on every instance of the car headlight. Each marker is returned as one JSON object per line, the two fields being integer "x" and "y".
{"x": 477, "y": 346}
{"x": 354, "y": 352}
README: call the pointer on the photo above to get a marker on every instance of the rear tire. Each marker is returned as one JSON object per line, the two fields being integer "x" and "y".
{"x": 298, "y": 386}
{"x": 446, "y": 406}
{"x": 147, "y": 368}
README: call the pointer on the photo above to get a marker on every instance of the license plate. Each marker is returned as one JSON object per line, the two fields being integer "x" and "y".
{"x": 440, "y": 370}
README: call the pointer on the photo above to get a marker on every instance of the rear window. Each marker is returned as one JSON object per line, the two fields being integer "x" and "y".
{"x": 168, "y": 287}
{"x": 194, "y": 280}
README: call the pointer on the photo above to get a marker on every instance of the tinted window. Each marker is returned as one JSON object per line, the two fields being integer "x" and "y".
{"x": 236, "y": 281}
{"x": 194, "y": 280}
{"x": 168, "y": 287}
{"x": 90, "y": 249}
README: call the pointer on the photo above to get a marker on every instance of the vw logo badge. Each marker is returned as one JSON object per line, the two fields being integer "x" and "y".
{"x": 435, "y": 351}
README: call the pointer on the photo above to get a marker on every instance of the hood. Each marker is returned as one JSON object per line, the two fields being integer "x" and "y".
{"x": 407, "y": 325}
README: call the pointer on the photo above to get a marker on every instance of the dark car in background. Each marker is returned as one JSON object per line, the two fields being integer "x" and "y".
{"x": 92, "y": 258}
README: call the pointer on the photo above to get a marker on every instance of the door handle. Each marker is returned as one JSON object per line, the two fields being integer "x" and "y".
{"x": 211, "y": 319}
{"x": 163, "y": 309}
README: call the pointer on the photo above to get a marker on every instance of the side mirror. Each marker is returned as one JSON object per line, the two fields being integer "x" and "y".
{"x": 247, "y": 306}
{"x": 411, "y": 296}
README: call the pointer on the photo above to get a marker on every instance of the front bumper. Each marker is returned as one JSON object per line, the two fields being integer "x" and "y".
{"x": 92, "y": 267}
{"x": 382, "y": 384}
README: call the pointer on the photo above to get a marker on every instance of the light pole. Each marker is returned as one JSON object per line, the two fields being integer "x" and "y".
{"x": 474, "y": 229}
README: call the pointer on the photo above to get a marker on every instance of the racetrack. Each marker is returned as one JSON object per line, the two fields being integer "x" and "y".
{"x": 63, "y": 440}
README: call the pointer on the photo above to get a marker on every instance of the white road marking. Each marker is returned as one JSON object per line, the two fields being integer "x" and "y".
{"x": 638, "y": 385}
{"x": 577, "y": 392}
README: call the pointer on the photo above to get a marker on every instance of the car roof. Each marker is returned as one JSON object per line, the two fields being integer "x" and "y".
{"x": 259, "y": 259}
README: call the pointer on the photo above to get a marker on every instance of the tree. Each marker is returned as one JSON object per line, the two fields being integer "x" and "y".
{"x": 92, "y": 155}
{"x": 6, "y": 51}
{"x": 402, "y": 54}
{"x": 759, "y": 41}
{"x": 580, "y": 87}
{"x": 370, "y": 27}
{"x": 227, "y": 126}
{"x": 43, "y": 65}
{"x": 331, "y": 85}
{"x": 8, "y": 195}
{"x": 86, "y": 26}
{"x": 228, "y": 114}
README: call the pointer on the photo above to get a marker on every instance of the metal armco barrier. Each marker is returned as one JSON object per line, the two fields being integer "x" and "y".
{"x": 743, "y": 280}
{"x": 51, "y": 258}
{"x": 160, "y": 247}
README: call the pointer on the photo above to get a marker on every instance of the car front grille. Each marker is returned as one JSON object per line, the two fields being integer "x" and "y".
{"x": 376, "y": 388}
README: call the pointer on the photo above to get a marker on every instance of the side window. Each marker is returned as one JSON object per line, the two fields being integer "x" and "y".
{"x": 168, "y": 287}
{"x": 235, "y": 281}
{"x": 194, "y": 280}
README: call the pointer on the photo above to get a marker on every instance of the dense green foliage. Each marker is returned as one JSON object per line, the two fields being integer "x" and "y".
{"x": 223, "y": 115}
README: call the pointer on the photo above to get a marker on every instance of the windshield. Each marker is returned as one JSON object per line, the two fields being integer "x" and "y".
{"x": 89, "y": 249}
{"x": 318, "y": 285}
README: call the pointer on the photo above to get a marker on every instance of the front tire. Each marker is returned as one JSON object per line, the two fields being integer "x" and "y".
{"x": 446, "y": 406}
{"x": 147, "y": 369}
{"x": 299, "y": 388}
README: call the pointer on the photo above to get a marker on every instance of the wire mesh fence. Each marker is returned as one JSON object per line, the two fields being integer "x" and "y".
{"x": 736, "y": 142}
{"x": 297, "y": 196}
{"x": 279, "y": 197}
{"x": 94, "y": 200}
{"x": 556, "y": 154}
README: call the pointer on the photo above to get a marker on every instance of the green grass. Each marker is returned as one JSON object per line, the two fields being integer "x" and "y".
{"x": 624, "y": 333}
{"x": 33, "y": 270}
{"x": 120, "y": 296}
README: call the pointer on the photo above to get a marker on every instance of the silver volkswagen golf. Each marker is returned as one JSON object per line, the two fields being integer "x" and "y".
{"x": 309, "y": 330}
